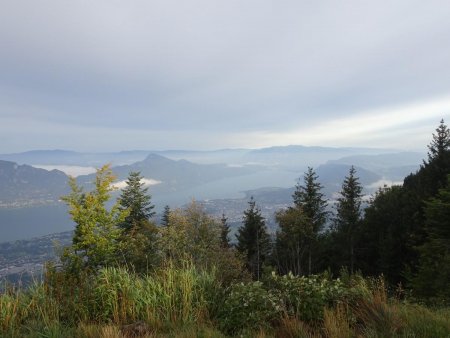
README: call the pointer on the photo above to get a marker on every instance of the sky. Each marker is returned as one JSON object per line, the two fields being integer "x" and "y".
{"x": 111, "y": 75}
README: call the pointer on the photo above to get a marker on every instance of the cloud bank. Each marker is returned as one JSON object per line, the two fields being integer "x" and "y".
{"x": 110, "y": 75}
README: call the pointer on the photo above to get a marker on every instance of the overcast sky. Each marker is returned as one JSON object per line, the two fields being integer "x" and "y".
{"x": 110, "y": 75}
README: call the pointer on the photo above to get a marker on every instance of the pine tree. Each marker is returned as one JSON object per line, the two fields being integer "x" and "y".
{"x": 166, "y": 216}
{"x": 253, "y": 239}
{"x": 137, "y": 201}
{"x": 311, "y": 200}
{"x": 348, "y": 215}
{"x": 440, "y": 143}
{"x": 224, "y": 231}
{"x": 313, "y": 204}
{"x": 437, "y": 168}
{"x": 139, "y": 233}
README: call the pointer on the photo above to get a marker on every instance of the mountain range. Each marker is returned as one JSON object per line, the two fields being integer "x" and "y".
{"x": 177, "y": 176}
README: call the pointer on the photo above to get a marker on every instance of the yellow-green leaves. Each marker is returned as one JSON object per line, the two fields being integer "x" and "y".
{"x": 96, "y": 238}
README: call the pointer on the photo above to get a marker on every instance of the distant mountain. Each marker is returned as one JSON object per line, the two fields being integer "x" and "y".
{"x": 64, "y": 157}
{"x": 332, "y": 174}
{"x": 394, "y": 166}
{"x": 288, "y": 156}
{"x": 25, "y": 185}
{"x": 331, "y": 177}
{"x": 174, "y": 175}
{"x": 296, "y": 156}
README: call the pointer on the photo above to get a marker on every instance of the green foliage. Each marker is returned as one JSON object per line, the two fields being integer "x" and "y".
{"x": 309, "y": 198}
{"x": 250, "y": 306}
{"x": 253, "y": 239}
{"x": 384, "y": 242}
{"x": 139, "y": 235}
{"x": 121, "y": 271}
{"x": 10, "y": 311}
{"x": 348, "y": 217}
{"x": 166, "y": 216}
{"x": 440, "y": 143}
{"x": 135, "y": 200}
{"x": 224, "y": 232}
{"x": 183, "y": 301}
{"x": 422, "y": 322}
{"x": 294, "y": 239}
{"x": 297, "y": 247}
{"x": 195, "y": 236}
{"x": 394, "y": 225}
{"x": 433, "y": 276}
{"x": 169, "y": 295}
{"x": 306, "y": 297}
{"x": 96, "y": 238}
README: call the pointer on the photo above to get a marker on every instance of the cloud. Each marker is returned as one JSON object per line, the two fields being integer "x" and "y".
{"x": 146, "y": 181}
{"x": 206, "y": 72}
{"x": 70, "y": 170}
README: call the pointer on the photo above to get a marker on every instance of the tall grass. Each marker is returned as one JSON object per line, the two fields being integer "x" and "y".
{"x": 10, "y": 311}
{"x": 170, "y": 295}
{"x": 182, "y": 301}
{"x": 337, "y": 323}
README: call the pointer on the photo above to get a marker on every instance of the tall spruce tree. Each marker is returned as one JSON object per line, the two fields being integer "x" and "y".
{"x": 253, "y": 239}
{"x": 348, "y": 216}
{"x": 437, "y": 167}
{"x": 139, "y": 233}
{"x": 224, "y": 231}
{"x": 166, "y": 216}
{"x": 137, "y": 201}
{"x": 309, "y": 198}
{"x": 440, "y": 143}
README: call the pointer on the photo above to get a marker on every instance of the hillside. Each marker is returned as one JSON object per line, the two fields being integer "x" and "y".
{"x": 25, "y": 185}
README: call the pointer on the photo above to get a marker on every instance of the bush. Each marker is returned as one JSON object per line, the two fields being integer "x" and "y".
{"x": 306, "y": 297}
{"x": 250, "y": 306}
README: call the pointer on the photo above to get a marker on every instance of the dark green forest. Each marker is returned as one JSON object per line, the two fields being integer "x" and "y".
{"x": 377, "y": 267}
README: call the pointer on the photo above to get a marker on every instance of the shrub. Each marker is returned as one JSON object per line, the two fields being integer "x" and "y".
{"x": 250, "y": 306}
{"x": 306, "y": 297}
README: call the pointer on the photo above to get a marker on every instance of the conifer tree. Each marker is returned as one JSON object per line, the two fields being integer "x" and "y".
{"x": 440, "y": 143}
{"x": 137, "y": 201}
{"x": 348, "y": 215}
{"x": 166, "y": 216}
{"x": 309, "y": 197}
{"x": 253, "y": 239}
{"x": 224, "y": 231}
{"x": 437, "y": 168}
{"x": 313, "y": 204}
{"x": 139, "y": 233}
{"x": 433, "y": 276}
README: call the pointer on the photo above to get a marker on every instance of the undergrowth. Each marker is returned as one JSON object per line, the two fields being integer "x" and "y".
{"x": 182, "y": 301}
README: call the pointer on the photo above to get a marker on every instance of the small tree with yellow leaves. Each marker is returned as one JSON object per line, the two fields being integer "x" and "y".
{"x": 96, "y": 237}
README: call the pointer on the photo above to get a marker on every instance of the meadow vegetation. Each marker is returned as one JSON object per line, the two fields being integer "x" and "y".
{"x": 184, "y": 301}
